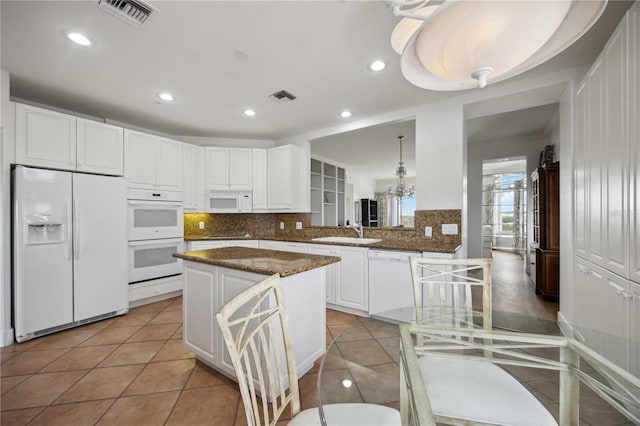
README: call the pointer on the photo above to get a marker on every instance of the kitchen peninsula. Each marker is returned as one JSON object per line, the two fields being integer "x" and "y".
{"x": 213, "y": 277}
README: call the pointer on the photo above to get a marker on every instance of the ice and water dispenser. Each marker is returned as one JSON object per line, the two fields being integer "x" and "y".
{"x": 43, "y": 229}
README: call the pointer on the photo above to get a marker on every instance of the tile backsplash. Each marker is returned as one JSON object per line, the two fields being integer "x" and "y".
{"x": 268, "y": 225}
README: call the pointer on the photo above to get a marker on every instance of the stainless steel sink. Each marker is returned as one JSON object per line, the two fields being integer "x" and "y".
{"x": 349, "y": 240}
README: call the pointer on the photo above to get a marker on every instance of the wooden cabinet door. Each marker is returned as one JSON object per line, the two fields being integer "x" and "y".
{"x": 352, "y": 289}
{"x": 240, "y": 169}
{"x": 192, "y": 177}
{"x": 217, "y": 168}
{"x": 140, "y": 159}
{"x": 169, "y": 164}
{"x": 634, "y": 145}
{"x": 332, "y": 270}
{"x": 100, "y": 148}
{"x": 596, "y": 148}
{"x": 259, "y": 178}
{"x": 200, "y": 299}
{"x": 45, "y": 138}
{"x": 615, "y": 155}
{"x": 580, "y": 176}
{"x": 634, "y": 332}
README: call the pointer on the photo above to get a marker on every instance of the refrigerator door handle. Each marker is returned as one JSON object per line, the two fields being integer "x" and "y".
{"x": 69, "y": 248}
{"x": 76, "y": 231}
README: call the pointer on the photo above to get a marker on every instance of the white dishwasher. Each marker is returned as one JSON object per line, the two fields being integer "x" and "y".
{"x": 390, "y": 285}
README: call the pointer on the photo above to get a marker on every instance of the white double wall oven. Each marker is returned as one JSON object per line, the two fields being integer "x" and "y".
{"x": 155, "y": 230}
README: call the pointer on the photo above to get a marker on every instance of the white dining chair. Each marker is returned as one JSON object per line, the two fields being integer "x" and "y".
{"x": 256, "y": 332}
{"x": 467, "y": 390}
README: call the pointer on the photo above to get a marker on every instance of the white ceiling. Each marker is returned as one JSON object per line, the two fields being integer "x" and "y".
{"x": 220, "y": 57}
{"x": 524, "y": 123}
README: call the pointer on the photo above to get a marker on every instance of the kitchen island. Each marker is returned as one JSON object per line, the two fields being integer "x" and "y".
{"x": 213, "y": 277}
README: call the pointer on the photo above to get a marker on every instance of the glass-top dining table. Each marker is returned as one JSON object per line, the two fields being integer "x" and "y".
{"x": 366, "y": 361}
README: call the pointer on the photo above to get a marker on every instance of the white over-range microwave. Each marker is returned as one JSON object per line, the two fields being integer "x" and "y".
{"x": 228, "y": 202}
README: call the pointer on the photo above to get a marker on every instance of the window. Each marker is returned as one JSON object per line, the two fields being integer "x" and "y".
{"x": 408, "y": 211}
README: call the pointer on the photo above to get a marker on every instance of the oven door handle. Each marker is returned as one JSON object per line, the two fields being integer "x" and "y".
{"x": 154, "y": 242}
{"x": 155, "y": 203}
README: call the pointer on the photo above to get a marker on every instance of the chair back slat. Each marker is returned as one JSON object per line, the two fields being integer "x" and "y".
{"x": 255, "y": 328}
{"x": 447, "y": 285}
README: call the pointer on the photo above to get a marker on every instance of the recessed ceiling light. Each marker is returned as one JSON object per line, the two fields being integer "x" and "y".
{"x": 165, "y": 96}
{"x": 78, "y": 38}
{"x": 249, "y": 112}
{"x": 377, "y": 65}
{"x": 345, "y": 114}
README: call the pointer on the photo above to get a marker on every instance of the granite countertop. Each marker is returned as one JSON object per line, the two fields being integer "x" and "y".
{"x": 421, "y": 246}
{"x": 259, "y": 261}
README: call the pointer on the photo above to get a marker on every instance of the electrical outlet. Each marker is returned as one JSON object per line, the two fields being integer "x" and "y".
{"x": 428, "y": 231}
{"x": 201, "y": 225}
{"x": 298, "y": 225}
{"x": 449, "y": 229}
{"x": 281, "y": 225}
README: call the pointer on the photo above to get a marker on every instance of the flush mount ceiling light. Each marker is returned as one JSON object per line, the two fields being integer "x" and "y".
{"x": 249, "y": 112}
{"x": 377, "y": 65}
{"x": 167, "y": 97}
{"x": 456, "y": 45}
{"x": 79, "y": 38}
{"x": 345, "y": 114}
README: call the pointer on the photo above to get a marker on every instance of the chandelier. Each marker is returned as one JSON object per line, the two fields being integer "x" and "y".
{"x": 455, "y": 45}
{"x": 402, "y": 190}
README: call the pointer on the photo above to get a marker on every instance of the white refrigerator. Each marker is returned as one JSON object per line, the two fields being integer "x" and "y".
{"x": 69, "y": 249}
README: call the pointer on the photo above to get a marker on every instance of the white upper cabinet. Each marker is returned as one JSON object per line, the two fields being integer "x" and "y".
{"x": 45, "y": 138}
{"x": 100, "y": 148}
{"x": 284, "y": 178}
{"x": 51, "y": 139}
{"x": 152, "y": 162}
{"x": 192, "y": 177}
{"x": 259, "y": 179}
{"x": 602, "y": 163}
{"x": 634, "y": 170}
{"x": 229, "y": 169}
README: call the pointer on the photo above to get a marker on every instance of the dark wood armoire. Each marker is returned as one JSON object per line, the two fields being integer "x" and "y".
{"x": 545, "y": 190}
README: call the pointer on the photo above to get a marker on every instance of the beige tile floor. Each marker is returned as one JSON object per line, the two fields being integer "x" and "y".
{"x": 133, "y": 370}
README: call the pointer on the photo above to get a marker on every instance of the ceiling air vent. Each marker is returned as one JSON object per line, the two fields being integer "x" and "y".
{"x": 134, "y": 12}
{"x": 282, "y": 96}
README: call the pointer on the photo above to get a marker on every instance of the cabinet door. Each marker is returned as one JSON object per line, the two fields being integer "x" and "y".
{"x": 634, "y": 145}
{"x": 615, "y": 324}
{"x": 192, "y": 177}
{"x": 217, "y": 168}
{"x": 140, "y": 159}
{"x": 596, "y": 149}
{"x": 271, "y": 245}
{"x": 352, "y": 288}
{"x": 581, "y": 176}
{"x": 169, "y": 165}
{"x": 634, "y": 332}
{"x": 200, "y": 306}
{"x": 259, "y": 178}
{"x": 332, "y": 270}
{"x": 615, "y": 155}
{"x": 295, "y": 247}
{"x": 279, "y": 181}
{"x": 100, "y": 148}
{"x": 240, "y": 169}
{"x": 205, "y": 245}
{"x": 45, "y": 138}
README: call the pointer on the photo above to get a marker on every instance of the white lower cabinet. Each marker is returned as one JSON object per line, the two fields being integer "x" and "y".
{"x": 333, "y": 270}
{"x": 352, "y": 283}
{"x": 207, "y": 288}
{"x": 634, "y": 333}
{"x": 271, "y": 245}
{"x": 605, "y": 307}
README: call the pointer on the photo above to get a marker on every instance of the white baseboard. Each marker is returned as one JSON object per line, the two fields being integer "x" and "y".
{"x": 7, "y": 337}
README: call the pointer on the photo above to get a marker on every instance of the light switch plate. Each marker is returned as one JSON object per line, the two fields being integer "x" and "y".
{"x": 428, "y": 231}
{"x": 449, "y": 229}
{"x": 201, "y": 225}
{"x": 298, "y": 225}
{"x": 281, "y": 225}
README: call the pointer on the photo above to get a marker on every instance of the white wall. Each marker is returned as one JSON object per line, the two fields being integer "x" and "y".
{"x": 482, "y": 151}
